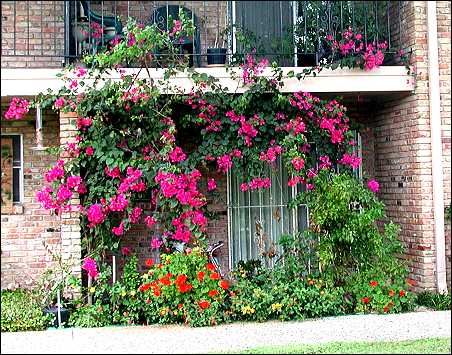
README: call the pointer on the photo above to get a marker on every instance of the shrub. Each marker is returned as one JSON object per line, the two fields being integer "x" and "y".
{"x": 376, "y": 291}
{"x": 90, "y": 316}
{"x": 343, "y": 217}
{"x": 436, "y": 301}
{"x": 184, "y": 287}
{"x": 20, "y": 312}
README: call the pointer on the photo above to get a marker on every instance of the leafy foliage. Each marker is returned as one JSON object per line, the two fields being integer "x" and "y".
{"x": 19, "y": 312}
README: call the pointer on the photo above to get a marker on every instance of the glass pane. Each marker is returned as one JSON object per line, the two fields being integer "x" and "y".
{"x": 16, "y": 185}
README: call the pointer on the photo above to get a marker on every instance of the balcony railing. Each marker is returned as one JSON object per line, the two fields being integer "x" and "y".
{"x": 54, "y": 33}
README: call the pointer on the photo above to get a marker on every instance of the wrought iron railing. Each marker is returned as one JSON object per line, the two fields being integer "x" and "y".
{"x": 54, "y": 33}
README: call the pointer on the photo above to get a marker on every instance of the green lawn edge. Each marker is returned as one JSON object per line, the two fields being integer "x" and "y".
{"x": 419, "y": 346}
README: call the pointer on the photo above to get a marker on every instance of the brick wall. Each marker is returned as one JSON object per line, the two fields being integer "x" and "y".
{"x": 401, "y": 154}
{"x": 32, "y": 34}
{"x": 23, "y": 255}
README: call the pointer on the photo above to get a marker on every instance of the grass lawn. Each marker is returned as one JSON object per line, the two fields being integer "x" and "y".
{"x": 422, "y": 346}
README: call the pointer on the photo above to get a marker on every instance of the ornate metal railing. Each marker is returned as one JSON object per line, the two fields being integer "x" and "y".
{"x": 53, "y": 33}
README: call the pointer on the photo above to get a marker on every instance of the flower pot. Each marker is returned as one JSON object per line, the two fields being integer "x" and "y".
{"x": 54, "y": 310}
{"x": 216, "y": 56}
{"x": 79, "y": 31}
{"x": 110, "y": 31}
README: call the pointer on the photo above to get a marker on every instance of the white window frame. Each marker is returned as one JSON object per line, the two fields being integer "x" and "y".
{"x": 262, "y": 204}
{"x": 20, "y": 168}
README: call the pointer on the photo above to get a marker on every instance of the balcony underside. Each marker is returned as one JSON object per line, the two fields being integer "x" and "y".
{"x": 394, "y": 79}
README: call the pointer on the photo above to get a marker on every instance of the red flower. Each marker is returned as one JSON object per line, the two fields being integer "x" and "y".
{"x": 204, "y": 304}
{"x": 224, "y": 284}
{"x": 214, "y": 276}
{"x": 165, "y": 280}
{"x": 157, "y": 292}
{"x": 373, "y": 283}
{"x": 213, "y": 293}
{"x": 149, "y": 262}
{"x": 365, "y": 300}
{"x": 391, "y": 293}
{"x": 184, "y": 287}
{"x": 386, "y": 309}
{"x": 144, "y": 287}
{"x": 401, "y": 293}
{"x": 201, "y": 275}
{"x": 180, "y": 305}
{"x": 180, "y": 280}
{"x": 210, "y": 267}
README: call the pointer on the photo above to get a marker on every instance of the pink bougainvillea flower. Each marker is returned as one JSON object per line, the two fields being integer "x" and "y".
{"x": 95, "y": 214}
{"x": 89, "y": 151}
{"x": 373, "y": 185}
{"x": 177, "y": 155}
{"x": 89, "y": 264}
{"x": 211, "y": 184}
{"x": 118, "y": 230}
{"x": 150, "y": 221}
{"x": 59, "y": 103}
{"x": 17, "y": 109}
{"x": 298, "y": 163}
{"x": 156, "y": 243}
{"x": 125, "y": 251}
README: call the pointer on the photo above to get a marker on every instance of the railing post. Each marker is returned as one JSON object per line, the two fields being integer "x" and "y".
{"x": 67, "y": 30}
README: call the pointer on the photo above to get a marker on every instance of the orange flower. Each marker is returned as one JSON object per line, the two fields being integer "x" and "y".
{"x": 391, "y": 293}
{"x": 183, "y": 288}
{"x": 210, "y": 267}
{"x": 204, "y": 304}
{"x": 180, "y": 280}
{"x": 365, "y": 300}
{"x": 311, "y": 282}
{"x": 373, "y": 283}
{"x": 165, "y": 280}
{"x": 180, "y": 305}
{"x": 144, "y": 287}
{"x": 213, "y": 293}
{"x": 201, "y": 275}
{"x": 386, "y": 309}
{"x": 401, "y": 293}
{"x": 224, "y": 284}
{"x": 157, "y": 292}
{"x": 214, "y": 276}
{"x": 149, "y": 262}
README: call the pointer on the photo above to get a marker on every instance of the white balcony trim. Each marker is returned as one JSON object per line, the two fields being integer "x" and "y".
{"x": 30, "y": 82}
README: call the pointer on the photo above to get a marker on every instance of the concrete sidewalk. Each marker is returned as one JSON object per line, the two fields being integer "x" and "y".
{"x": 236, "y": 336}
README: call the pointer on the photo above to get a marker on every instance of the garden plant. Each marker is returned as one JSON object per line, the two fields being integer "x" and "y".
{"x": 140, "y": 157}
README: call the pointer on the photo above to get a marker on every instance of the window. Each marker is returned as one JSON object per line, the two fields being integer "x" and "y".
{"x": 12, "y": 176}
{"x": 257, "y": 219}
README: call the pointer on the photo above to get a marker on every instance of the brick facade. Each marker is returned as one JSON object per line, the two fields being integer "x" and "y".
{"x": 23, "y": 255}
{"x": 396, "y": 146}
{"x": 401, "y": 155}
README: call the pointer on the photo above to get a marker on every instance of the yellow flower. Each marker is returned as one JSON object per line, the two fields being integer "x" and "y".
{"x": 145, "y": 276}
{"x": 164, "y": 311}
{"x": 132, "y": 293}
{"x": 248, "y": 310}
{"x": 92, "y": 289}
{"x": 276, "y": 306}
{"x": 123, "y": 294}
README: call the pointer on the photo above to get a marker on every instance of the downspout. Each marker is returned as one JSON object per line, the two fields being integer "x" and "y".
{"x": 436, "y": 145}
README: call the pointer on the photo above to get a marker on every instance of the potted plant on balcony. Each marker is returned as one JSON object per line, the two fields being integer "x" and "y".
{"x": 216, "y": 56}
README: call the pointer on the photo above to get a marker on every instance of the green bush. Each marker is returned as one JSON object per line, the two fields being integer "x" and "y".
{"x": 436, "y": 301}
{"x": 90, "y": 316}
{"x": 20, "y": 312}
{"x": 343, "y": 216}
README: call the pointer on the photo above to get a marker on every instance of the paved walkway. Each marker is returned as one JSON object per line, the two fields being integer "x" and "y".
{"x": 235, "y": 336}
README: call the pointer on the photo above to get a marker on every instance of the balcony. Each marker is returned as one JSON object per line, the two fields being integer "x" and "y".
{"x": 52, "y": 34}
